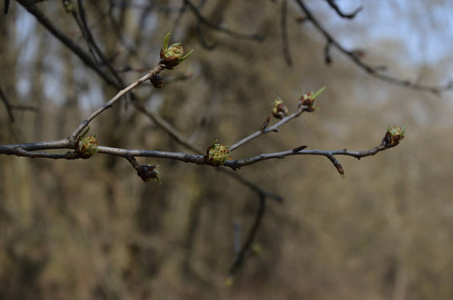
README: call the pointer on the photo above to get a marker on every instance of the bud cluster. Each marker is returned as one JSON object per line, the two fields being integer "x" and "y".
{"x": 394, "y": 135}
{"x": 307, "y": 101}
{"x": 279, "y": 110}
{"x": 86, "y": 146}
{"x": 173, "y": 55}
{"x": 217, "y": 154}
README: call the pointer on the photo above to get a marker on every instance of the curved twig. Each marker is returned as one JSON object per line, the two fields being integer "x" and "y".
{"x": 202, "y": 19}
{"x": 342, "y": 14}
{"x": 245, "y": 249}
{"x": 109, "y": 104}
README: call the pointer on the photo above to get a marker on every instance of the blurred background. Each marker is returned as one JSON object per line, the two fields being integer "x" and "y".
{"x": 91, "y": 229}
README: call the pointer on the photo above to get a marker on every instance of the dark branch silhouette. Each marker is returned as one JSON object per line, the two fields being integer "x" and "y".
{"x": 342, "y": 14}
{"x": 352, "y": 55}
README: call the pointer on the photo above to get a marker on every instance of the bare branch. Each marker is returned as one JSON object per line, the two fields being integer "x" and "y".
{"x": 25, "y": 149}
{"x": 284, "y": 33}
{"x": 273, "y": 128}
{"x": 237, "y": 164}
{"x": 232, "y": 33}
{"x": 342, "y": 14}
{"x": 7, "y": 104}
{"x": 110, "y": 103}
{"x": 372, "y": 71}
{"x": 30, "y": 6}
{"x": 246, "y": 248}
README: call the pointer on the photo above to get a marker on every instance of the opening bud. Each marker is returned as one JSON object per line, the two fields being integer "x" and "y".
{"x": 87, "y": 146}
{"x": 173, "y": 55}
{"x": 217, "y": 154}
{"x": 279, "y": 110}
{"x": 394, "y": 135}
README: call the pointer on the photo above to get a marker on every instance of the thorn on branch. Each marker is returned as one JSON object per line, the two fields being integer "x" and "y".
{"x": 300, "y": 148}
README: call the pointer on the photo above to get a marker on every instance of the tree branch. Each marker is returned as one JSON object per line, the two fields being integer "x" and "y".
{"x": 372, "y": 71}
{"x": 30, "y": 7}
{"x": 110, "y": 103}
{"x": 245, "y": 250}
{"x": 342, "y": 14}
{"x": 8, "y": 106}
{"x": 284, "y": 33}
{"x": 232, "y": 33}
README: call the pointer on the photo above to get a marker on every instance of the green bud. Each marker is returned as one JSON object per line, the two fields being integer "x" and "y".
{"x": 394, "y": 135}
{"x": 217, "y": 154}
{"x": 279, "y": 110}
{"x": 87, "y": 146}
{"x": 173, "y": 55}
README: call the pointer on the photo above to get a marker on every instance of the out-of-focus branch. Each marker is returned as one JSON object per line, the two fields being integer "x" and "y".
{"x": 6, "y": 7}
{"x": 284, "y": 33}
{"x": 7, "y": 105}
{"x": 10, "y": 107}
{"x": 342, "y": 14}
{"x": 372, "y": 71}
{"x": 232, "y": 33}
{"x": 31, "y": 8}
{"x": 246, "y": 248}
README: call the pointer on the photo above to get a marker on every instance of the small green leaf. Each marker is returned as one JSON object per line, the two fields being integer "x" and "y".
{"x": 318, "y": 92}
{"x": 166, "y": 41}
{"x": 85, "y": 132}
{"x": 186, "y": 56}
{"x": 403, "y": 129}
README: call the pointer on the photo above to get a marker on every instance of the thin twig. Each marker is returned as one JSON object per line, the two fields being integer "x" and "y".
{"x": 30, "y": 6}
{"x": 254, "y": 187}
{"x": 92, "y": 44}
{"x": 342, "y": 14}
{"x": 273, "y": 128}
{"x": 284, "y": 29}
{"x": 236, "y": 164}
{"x": 232, "y": 33}
{"x": 245, "y": 250}
{"x": 110, "y": 103}
{"x": 7, "y": 104}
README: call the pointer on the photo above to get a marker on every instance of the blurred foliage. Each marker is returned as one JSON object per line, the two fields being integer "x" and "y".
{"x": 91, "y": 229}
